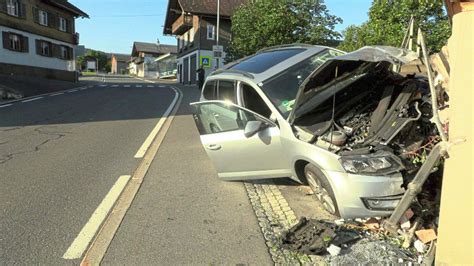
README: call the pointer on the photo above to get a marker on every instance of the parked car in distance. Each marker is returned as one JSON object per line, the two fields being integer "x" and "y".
{"x": 345, "y": 124}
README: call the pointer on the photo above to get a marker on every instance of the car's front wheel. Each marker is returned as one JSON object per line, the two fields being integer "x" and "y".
{"x": 321, "y": 188}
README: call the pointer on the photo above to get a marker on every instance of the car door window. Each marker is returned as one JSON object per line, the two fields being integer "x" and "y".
{"x": 218, "y": 117}
{"x": 209, "y": 92}
{"x": 252, "y": 101}
{"x": 226, "y": 91}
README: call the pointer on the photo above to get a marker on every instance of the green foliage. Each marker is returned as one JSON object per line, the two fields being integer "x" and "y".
{"x": 264, "y": 23}
{"x": 388, "y": 22}
{"x": 102, "y": 58}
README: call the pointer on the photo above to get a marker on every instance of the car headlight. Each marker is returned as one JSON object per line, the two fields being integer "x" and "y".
{"x": 377, "y": 163}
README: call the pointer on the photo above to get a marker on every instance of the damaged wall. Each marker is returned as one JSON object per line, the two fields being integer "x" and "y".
{"x": 455, "y": 225}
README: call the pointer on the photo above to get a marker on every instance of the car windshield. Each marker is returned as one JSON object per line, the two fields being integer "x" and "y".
{"x": 263, "y": 61}
{"x": 282, "y": 88}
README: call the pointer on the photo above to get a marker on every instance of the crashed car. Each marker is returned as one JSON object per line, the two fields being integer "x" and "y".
{"x": 346, "y": 124}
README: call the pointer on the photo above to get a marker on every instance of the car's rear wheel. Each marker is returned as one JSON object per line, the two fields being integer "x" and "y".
{"x": 321, "y": 188}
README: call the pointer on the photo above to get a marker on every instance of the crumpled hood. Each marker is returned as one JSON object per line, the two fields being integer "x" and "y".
{"x": 341, "y": 71}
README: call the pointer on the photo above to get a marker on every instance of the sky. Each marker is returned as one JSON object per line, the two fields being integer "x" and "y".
{"x": 115, "y": 24}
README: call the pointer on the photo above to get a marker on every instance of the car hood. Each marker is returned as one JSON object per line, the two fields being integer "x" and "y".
{"x": 341, "y": 71}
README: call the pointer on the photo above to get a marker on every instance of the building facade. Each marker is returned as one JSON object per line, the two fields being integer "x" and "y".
{"x": 194, "y": 23}
{"x": 144, "y": 55}
{"x": 38, "y": 38}
{"x": 119, "y": 63}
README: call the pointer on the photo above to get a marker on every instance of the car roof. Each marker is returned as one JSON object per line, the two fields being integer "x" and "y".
{"x": 289, "y": 55}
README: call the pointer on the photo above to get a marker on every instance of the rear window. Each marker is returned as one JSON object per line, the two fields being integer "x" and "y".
{"x": 261, "y": 62}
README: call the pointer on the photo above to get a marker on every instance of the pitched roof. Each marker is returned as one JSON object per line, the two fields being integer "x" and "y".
{"x": 153, "y": 48}
{"x": 65, "y": 5}
{"x": 122, "y": 57}
{"x": 199, "y": 7}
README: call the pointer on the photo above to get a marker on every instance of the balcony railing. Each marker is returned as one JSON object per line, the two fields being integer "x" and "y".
{"x": 182, "y": 24}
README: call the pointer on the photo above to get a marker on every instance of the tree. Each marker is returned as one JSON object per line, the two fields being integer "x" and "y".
{"x": 101, "y": 57}
{"x": 388, "y": 22}
{"x": 264, "y": 23}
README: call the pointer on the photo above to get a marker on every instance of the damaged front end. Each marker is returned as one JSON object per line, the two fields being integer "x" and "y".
{"x": 376, "y": 120}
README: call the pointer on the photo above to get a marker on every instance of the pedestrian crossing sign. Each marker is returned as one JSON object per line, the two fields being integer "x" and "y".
{"x": 205, "y": 61}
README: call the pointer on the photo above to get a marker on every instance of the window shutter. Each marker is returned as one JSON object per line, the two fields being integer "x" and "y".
{"x": 22, "y": 11}
{"x": 52, "y": 20}
{"x": 70, "y": 53}
{"x": 3, "y": 6}
{"x": 38, "y": 47}
{"x": 6, "y": 40}
{"x": 68, "y": 26}
{"x": 56, "y": 51}
{"x": 25, "y": 47}
{"x": 35, "y": 15}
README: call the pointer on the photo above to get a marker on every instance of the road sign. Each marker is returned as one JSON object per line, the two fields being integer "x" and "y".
{"x": 218, "y": 51}
{"x": 205, "y": 61}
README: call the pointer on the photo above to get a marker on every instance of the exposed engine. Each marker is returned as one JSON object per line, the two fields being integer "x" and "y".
{"x": 381, "y": 112}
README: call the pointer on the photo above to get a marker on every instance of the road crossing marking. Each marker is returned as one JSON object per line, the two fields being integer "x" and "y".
{"x": 138, "y": 86}
{"x": 102, "y": 86}
{"x": 114, "y": 86}
{"x": 150, "y": 86}
{"x": 5, "y": 105}
{"x": 30, "y": 100}
{"x": 126, "y": 86}
{"x": 141, "y": 152}
{"x": 89, "y": 230}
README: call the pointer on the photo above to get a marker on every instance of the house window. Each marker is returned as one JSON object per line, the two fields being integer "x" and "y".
{"x": 15, "y": 42}
{"x": 211, "y": 32}
{"x": 43, "y": 18}
{"x": 12, "y": 7}
{"x": 44, "y": 48}
{"x": 62, "y": 24}
{"x": 65, "y": 52}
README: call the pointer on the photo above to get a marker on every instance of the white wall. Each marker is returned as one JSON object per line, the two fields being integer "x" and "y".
{"x": 200, "y": 53}
{"x": 31, "y": 58}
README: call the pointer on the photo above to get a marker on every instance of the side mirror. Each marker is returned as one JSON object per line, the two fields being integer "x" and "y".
{"x": 252, "y": 127}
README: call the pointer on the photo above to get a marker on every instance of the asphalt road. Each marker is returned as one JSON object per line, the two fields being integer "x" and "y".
{"x": 60, "y": 155}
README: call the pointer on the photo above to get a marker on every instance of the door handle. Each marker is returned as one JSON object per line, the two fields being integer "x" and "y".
{"x": 214, "y": 147}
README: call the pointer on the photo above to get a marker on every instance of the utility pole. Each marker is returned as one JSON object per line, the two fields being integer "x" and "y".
{"x": 218, "y": 25}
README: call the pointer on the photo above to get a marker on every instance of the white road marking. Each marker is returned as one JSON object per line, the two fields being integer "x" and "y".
{"x": 72, "y": 90}
{"x": 161, "y": 86}
{"x": 89, "y": 230}
{"x": 150, "y": 86}
{"x": 138, "y": 86}
{"x": 126, "y": 86}
{"x": 102, "y": 86}
{"x": 141, "y": 152}
{"x": 114, "y": 86}
{"x": 30, "y": 100}
{"x": 5, "y": 105}
{"x": 56, "y": 94}
{"x": 83, "y": 89}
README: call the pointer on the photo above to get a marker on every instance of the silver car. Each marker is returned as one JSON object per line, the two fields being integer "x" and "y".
{"x": 345, "y": 124}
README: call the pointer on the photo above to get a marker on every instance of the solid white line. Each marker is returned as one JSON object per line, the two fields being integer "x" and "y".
{"x": 83, "y": 89}
{"x": 30, "y": 100}
{"x": 56, "y": 94}
{"x": 6, "y": 105}
{"x": 141, "y": 152}
{"x": 72, "y": 90}
{"x": 89, "y": 230}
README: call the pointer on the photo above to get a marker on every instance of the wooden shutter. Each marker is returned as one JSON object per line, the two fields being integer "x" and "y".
{"x": 25, "y": 47}
{"x": 55, "y": 51}
{"x": 22, "y": 11}
{"x": 70, "y": 53}
{"x": 38, "y": 47}
{"x": 35, "y": 14}
{"x": 3, "y": 6}
{"x": 6, "y": 40}
{"x": 68, "y": 26}
{"x": 52, "y": 20}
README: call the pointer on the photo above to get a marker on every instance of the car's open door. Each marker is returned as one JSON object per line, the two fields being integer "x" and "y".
{"x": 241, "y": 144}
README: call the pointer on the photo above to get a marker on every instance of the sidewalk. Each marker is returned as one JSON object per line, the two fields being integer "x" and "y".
{"x": 183, "y": 214}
